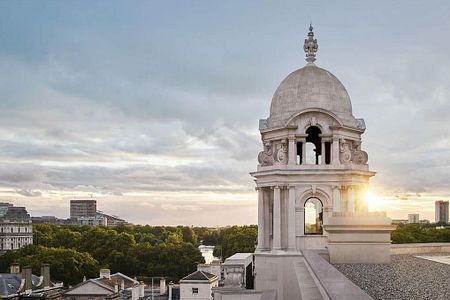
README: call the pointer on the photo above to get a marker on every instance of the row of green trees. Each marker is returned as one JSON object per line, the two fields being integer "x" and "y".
{"x": 420, "y": 233}
{"x": 143, "y": 251}
{"x": 236, "y": 239}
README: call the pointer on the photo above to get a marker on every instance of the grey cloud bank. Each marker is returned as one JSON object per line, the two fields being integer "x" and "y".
{"x": 157, "y": 98}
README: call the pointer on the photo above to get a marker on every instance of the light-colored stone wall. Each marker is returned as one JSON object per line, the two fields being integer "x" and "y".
{"x": 359, "y": 238}
{"x": 204, "y": 290}
{"x": 417, "y": 248}
{"x": 278, "y": 272}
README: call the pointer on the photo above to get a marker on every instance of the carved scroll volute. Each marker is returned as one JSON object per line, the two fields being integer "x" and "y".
{"x": 282, "y": 152}
{"x": 345, "y": 153}
{"x": 265, "y": 157}
{"x": 359, "y": 157}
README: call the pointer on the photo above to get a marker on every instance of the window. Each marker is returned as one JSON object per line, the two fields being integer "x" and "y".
{"x": 194, "y": 290}
{"x": 313, "y": 216}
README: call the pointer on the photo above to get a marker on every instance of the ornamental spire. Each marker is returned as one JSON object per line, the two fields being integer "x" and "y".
{"x": 310, "y": 47}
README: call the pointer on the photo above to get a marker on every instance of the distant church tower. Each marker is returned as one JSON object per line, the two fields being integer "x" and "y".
{"x": 312, "y": 178}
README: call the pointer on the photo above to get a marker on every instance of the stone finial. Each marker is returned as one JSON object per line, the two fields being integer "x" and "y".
{"x": 310, "y": 47}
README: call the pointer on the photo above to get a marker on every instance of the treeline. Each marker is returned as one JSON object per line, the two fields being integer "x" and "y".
{"x": 146, "y": 251}
{"x": 420, "y": 233}
{"x": 236, "y": 239}
{"x": 143, "y": 251}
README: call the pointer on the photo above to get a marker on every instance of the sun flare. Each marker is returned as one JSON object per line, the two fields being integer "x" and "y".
{"x": 374, "y": 202}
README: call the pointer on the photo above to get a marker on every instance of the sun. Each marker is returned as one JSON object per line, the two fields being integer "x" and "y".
{"x": 374, "y": 202}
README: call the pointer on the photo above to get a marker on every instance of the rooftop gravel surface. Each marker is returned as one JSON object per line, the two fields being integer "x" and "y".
{"x": 407, "y": 277}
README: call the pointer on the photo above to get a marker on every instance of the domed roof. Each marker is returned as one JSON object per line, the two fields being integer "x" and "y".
{"x": 310, "y": 87}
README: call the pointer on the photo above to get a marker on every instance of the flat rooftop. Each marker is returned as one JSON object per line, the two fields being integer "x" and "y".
{"x": 407, "y": 277}
{"x": 239, "y": 258}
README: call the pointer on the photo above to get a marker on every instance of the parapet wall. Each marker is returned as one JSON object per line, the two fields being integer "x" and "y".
{"x": 420, "y": 248}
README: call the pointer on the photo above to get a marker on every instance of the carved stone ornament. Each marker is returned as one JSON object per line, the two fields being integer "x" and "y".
{"x": 310, "y": 46}
{"x": 359, "y": 157}
{"x": 233, "y": 276}
{"x": 265, "y": 157}
{"x": 345, "y": 154}
{"x": 313, "y": 121}
{"x": 282, "y": 153}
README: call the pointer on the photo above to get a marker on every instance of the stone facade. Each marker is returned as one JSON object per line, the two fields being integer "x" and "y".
{"x": 16, "y": 230}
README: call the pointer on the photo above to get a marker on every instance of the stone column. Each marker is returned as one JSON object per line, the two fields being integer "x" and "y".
{"x": 322, "y": 158}
{"x": 292, "y": 152}
{"x": 300, "y": 211}
{"x": 291, "y": 220}
{"x": 303, "y": 152}
{"x": 267, "y": 220}
{"x": 261, "y": 231}
{"x": 351, "y": 199}
{"x": 337, "y": 198}
{"x": 335, "y": 151}
{"x": 276, "y": 218}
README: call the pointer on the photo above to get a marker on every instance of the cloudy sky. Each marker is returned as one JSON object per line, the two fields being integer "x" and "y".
{"x": 152, "y": 107}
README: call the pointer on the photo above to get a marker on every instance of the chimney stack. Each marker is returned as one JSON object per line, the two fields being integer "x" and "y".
{"x": 162, "y": 286}
{"x": 26, "y": 275}
{"x": 14, "y": 268}
{"x": 141, "y": 289}
{"x": 45, "y": 273}
{"x": 105, "y": 273}
{"x": 170, "y": 290}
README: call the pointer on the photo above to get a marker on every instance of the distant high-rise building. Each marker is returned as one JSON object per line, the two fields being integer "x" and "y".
{"x": 83, "y": 209}
{"x": 441, "y": 211}
{"x": 413, "y": 218}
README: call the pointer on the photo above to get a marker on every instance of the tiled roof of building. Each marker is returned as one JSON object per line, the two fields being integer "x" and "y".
{"x": 94, "y": 281}
{"x": 109, "y": 283}
{"x": 200, "y": 276}
{"x": 117, "y": 278}
{"x": 10, "y": 283}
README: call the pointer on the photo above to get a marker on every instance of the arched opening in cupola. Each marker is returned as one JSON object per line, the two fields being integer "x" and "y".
{"x": 313, "y": 145}
{"x": 314, "y": 150}
{"x": 313, "y": 216}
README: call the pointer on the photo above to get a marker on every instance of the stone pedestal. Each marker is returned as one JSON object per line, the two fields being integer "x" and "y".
{"x": 359, "y": 238}
{"x": 278, "y": 272}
